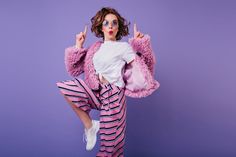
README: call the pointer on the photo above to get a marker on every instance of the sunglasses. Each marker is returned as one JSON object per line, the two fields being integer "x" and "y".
{"x": 114, "y": 23}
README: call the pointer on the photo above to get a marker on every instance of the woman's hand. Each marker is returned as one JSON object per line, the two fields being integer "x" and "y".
{"x": 137, "y": 34}
{"x": 80, "y": 38}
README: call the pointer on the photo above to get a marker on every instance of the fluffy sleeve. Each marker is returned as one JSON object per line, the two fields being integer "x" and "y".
{"x": 74, "y": 60}
{"x": 144, "y": 50}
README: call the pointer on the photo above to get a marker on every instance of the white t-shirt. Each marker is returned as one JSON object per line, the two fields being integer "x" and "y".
{"x": 110, "y": 59}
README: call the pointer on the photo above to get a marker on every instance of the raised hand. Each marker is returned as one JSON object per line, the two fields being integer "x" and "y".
{"x": 137, "y": 34}
{"x": 80, "y": 38}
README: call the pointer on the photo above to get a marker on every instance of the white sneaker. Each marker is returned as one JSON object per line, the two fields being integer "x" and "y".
{"x": 91, "y": 135}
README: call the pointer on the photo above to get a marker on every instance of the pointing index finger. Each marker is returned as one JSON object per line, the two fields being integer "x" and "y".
{"x": 85, "y": 29}
{"x": 135, "y": 28}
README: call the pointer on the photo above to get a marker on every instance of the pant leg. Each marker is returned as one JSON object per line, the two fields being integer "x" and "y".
{"x": 112, "y": 121}
{"x": 111, "y": 102}
{"x": 80, "y": 94}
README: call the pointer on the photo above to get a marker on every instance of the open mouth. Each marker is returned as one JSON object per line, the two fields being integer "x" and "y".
{"x": 110, "y": 32}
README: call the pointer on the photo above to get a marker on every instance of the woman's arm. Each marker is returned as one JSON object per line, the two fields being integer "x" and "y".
{"x": 142, "y": 45}
{"x": 75, "y": 55}
{"x": 74, "y": 60}
{"x": 144, "y": 49}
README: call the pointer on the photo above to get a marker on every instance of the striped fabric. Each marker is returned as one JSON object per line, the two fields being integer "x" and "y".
{"x": 110, "y": 101}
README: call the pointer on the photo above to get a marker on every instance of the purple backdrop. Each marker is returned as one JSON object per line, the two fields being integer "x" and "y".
{"x": 192, "y": 114}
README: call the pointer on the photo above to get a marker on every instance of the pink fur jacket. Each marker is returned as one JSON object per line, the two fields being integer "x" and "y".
{"x": 138, "y": 75}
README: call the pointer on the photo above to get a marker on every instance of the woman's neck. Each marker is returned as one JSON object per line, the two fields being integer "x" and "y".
{"x": 109, "y": 39}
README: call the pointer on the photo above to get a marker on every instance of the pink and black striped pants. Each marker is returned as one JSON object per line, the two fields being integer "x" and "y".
{"x": 110, "y": 100}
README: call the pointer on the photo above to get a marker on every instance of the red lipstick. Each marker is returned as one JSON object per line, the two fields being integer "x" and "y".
{"x": 110, "y": 32}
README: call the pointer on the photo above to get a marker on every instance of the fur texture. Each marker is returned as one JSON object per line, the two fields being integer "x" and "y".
{"x": 138, "y": 75}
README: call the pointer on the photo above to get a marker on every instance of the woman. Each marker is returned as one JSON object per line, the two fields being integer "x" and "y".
{"x": 112, "y": 70}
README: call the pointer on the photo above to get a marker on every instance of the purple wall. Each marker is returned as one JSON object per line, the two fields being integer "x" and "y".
{"x": 192, "y": 114}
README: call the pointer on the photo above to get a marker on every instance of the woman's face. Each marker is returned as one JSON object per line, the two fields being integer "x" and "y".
{"x": 110, "y": 27}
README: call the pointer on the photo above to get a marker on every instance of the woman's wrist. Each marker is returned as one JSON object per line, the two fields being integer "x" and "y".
{"x": 78, "y": 46}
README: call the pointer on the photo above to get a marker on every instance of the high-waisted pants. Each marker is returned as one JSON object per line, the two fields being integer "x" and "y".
{"x": 110, "y": 100}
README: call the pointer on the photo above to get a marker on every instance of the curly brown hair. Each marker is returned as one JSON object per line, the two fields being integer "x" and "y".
{"x": 97, "y": 20}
